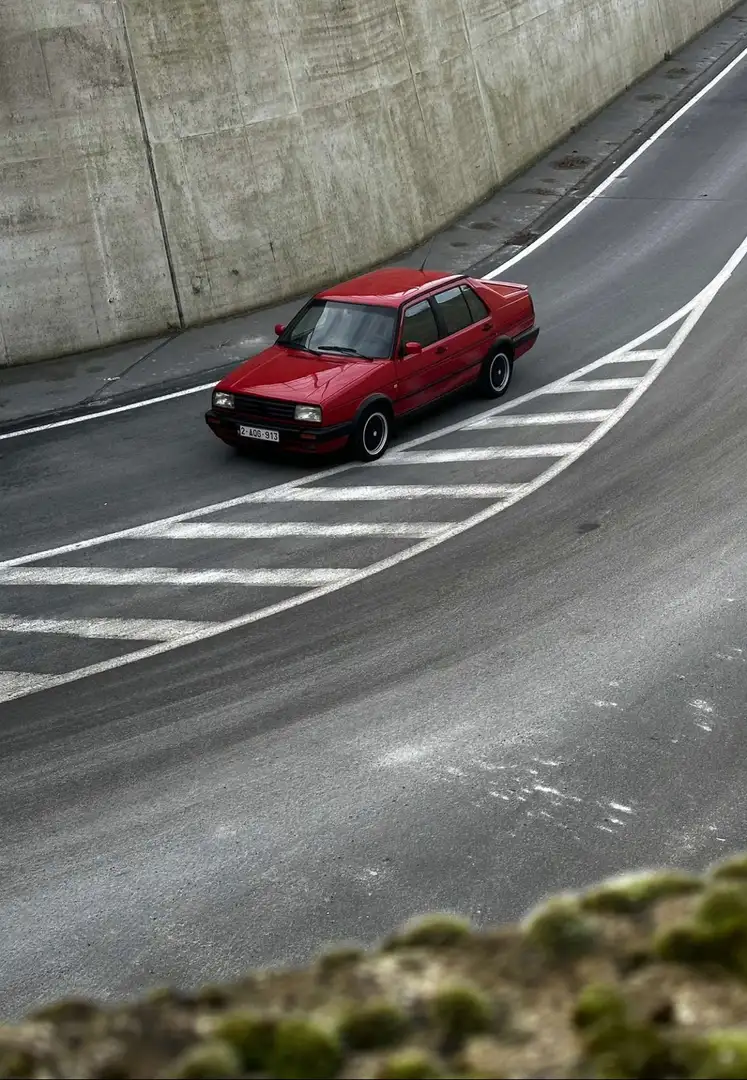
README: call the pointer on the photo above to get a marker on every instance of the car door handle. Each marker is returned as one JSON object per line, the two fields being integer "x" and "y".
{"x": 487, "y": 326}
{"x": 441, "y": 349}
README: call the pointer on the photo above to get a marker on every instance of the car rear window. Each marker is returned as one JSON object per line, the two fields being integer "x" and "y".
{"x": 419, "y": 324}
{"x": 363, "y": 330}
{"x": 477, "y": 307}
{"x": 452, "y": 305}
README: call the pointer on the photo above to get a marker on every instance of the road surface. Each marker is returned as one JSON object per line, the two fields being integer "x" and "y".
{"x": 554, "y": 694}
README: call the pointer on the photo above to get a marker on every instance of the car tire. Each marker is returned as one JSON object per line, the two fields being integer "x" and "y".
{"x": 496, "y": 373}
{"x": 372, "y": 433}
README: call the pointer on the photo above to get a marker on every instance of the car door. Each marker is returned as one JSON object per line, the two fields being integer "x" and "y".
{"x": 418, "y": 373}
{"x": 466, "y": 329}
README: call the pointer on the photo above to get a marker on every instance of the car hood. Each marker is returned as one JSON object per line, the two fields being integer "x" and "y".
{"x": 292, "y": 375}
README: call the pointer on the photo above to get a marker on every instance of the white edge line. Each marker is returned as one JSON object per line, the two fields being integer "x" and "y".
{"x": 491, "y": 276}
{"x": 107, "y": 412}
{"x": 23, "y": 682}
{"x": 698, "y": 310}
{"x": 104, "y": 629}
{"x": 618, "y": 172}
{"x": 324, "y": 474}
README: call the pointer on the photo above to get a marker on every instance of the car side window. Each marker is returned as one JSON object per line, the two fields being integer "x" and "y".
{"x": 477, "y": 307}
{"x": 419, "y": 324}
{"x": 452, "y": 306}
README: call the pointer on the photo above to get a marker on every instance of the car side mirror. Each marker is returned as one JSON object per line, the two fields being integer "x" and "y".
{"x": 279, "y": 327}
{"x": 412, "y": 348}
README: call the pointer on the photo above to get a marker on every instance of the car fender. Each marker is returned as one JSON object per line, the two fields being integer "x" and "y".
{"x": 503, "y": 341}
{"x": 373, "y": 399}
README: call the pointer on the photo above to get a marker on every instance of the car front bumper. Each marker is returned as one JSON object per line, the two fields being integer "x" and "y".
{"x": 295, "y": 438}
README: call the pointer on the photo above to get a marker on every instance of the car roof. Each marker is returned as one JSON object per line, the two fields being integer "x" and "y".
{"x": 387, "y": 288}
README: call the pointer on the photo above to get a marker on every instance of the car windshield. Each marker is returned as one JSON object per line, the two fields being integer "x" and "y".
{"x": 332, "y": 326}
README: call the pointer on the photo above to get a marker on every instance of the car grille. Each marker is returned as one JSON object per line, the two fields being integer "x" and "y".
{"x": 247, "y": 407}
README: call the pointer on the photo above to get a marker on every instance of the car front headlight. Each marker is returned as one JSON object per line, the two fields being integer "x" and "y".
{"x": 311, "y": 414}
{"x": 222, "y": 400}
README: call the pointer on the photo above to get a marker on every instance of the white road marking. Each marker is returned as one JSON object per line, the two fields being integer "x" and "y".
{"x": 114, "y": 629}
{"x": 594, "y": 385}
{"x": 588, "y": 416}
{"x": 638, "y": 357}
{"x": 19, "y": 683}
{"x": 620, "y": 171}
{"x": 396, "y": 491}
{"x": 544, "y": 789}
{"x": 277, "y": 494}
{"x": 413, "y": 530}
{"x": 165, "y": 575}
{"x": 17, "y": 686}
{"x": 701, "y": 706}
{"x": 107, "y": 412}
{"x": 491, "y": 276}
{"x": 480, "y": 453}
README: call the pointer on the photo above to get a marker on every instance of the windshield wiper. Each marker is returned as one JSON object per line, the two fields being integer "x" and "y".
{"x": 342, "y": 349}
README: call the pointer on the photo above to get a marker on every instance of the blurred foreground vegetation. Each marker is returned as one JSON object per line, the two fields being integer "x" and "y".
{"x": 641, "y": 977}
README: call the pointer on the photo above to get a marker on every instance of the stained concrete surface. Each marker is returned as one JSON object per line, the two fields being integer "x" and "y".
{"x": 484, "y": 237}
{"x": 174, "y": 162}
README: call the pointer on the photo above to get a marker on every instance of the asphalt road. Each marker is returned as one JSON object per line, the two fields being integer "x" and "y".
{"x": 555, "y": 695}
{"x": 623, "y": 265}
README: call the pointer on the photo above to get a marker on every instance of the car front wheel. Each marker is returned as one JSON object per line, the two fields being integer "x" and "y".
{"x": 496, "y": 373}
{"x": 372, "y": 433}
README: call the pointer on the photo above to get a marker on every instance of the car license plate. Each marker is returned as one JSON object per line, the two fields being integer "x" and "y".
{"x": 259, "y": 433}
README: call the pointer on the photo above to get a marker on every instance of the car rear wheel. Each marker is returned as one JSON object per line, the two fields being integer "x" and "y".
{"x": 495, "y": 377}
{"x": 372, "y": 433}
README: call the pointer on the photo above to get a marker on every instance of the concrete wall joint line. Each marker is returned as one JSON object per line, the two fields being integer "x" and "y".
{"x": 167, "y": 165}
{"x": 151, "y": 163}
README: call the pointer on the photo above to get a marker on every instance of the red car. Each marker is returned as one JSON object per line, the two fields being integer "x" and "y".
{"x": 359, "y": 357}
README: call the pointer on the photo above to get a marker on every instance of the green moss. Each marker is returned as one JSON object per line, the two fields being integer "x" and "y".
{"x": 303, "y": 1049}
{"x": 69, "y": 1011}
{"x": 599, "y": 1003}
{"x": 724, "y": 905}
{"x": 210, "y": 1060}
{"x": 410, "y": 1065}
{"x": 433, "y": 931}
{"x": 373, "y": 1024}
{"x": 560, "y": 929}
{"x": 250, "y": 1033}
{"x": 16, "y": 1063}
{"x": 339, "y": 959}
{"x": 633, "y": 894}
{"x": 717, "y": 935}
{"x": 720, "y": 1055}
{"x": 616, "y": 1044}
{"x": 623, "y": 1049}
{"x": 214, "y": 997}
{"x": 686, "y": 943}
{"x": 159, "y": 995}
{"x": 731, "y": 870}
{"x": 457, "y": 1011}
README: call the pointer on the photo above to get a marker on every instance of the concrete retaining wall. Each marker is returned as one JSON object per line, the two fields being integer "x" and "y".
{"x": 82, "y": 260}
{"x": 178, "y": 160}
